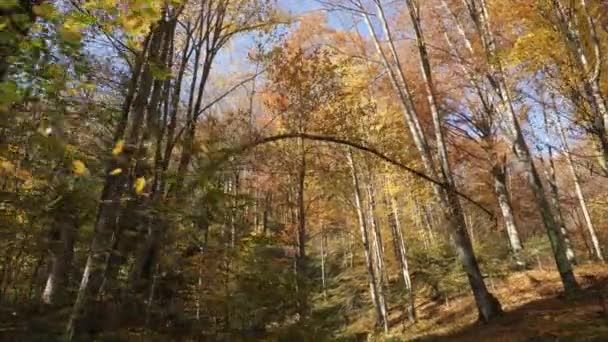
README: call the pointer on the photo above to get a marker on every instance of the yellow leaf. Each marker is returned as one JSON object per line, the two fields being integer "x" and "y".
{"x": 44, "y": 10}
{"x": 78, "y": 167}
{"x": 116, "y": 172}
{"x": 28, "y": 185}
{"x": 69, "y": 34}
{"x": 120, "y": 145}
{"x": 7, "y": 166}
{"x": 108, "y": 4}
{"x": 140, "y": 183}
{"x": 70, "y": 149}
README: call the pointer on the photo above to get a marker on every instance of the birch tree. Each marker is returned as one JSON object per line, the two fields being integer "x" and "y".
{"x": 570, "y": 20}
{"x": 373, "y": 280}
{"x": 480, "y": 16}
{"x": 487, "y": 304}
{"x": 401, "y": 251}
{"x": 597, "y": 251}
{"x": 484, "y": 122}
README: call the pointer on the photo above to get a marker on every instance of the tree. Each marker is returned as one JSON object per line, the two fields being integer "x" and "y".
{"x": 487, "y": 305}
{"x": 479, "y": 15}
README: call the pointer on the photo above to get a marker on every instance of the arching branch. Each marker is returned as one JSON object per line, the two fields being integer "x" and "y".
{"x": 358, "y": 146}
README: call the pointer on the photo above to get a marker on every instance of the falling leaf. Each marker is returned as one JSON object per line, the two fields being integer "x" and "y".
{"x": 140, "y": 183}
{"x": 28, "y": 185}
{"x": 46, "y": 11}
{"x": 69, "y": 34}
{"x": 7, "y": 166}
{"x": 78, "y": 167}
{"x": 120, "y": 145}
{"x": 116, "y": 172}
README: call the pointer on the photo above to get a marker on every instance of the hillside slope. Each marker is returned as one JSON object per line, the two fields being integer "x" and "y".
{"x": 534, "y": 311}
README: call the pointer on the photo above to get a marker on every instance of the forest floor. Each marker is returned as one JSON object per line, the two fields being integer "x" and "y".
{"x": 535, "y": 310}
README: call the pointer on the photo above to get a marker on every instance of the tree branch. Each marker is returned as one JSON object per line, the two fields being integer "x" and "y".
{"x": 339, "y": 141}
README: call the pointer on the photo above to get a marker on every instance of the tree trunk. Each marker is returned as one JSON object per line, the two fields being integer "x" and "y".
{"x": 61, "y": 256}
{"x": 378, "y": 243}
{"x": 498, "y": 171}
{"x": 114, "y": 188}
{"x": 266, "y": 214}
{"x": 149, "y": 252}
{"x": 256, "y": 211}
{"x": 499, "y": 175}
{"x": 113, "y": 263}
{"x": 378, "y": 252}
{"x": 209, "y": 37}
{"x": 401, "y": 253}
{"x": 590, "y": 74}
{"x": 323, "y": 280}
{"x": 487, "y": 304}
{"x": 151, "y": 296}
{"x": 190, "y": 124}
{"x": 33, "y": 280}
{"x": 581, "y": 230}
{"x": 597, "y": 250}
{"x": 554, "y": 190}
{"x": 175, "y": 101}
{"x": 301, "y": 203}
{"x": 372, "y": 280}
{"x": 426, "y": 220}
{"x": 480, "y": 15}
{"x": 559, "y": 219}
{"x": 301, "y": 230}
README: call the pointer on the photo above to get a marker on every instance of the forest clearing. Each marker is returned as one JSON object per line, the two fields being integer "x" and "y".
{"x": 303, "y": 170}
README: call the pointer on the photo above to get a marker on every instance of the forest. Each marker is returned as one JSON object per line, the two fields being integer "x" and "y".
{"x": 303, "y": 170}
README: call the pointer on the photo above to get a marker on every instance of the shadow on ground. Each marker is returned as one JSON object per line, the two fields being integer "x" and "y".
{"x": 580, "y": 317}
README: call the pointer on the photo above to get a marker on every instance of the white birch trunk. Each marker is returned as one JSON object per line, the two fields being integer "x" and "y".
{"x": 597, "y": 250}
{"x": 499, "y": 175}
{"x": 402, "y": 256}
{"x": 498, "y": 171}
{"x": 487, "y": 304}
{"x": 480, "y": 15}
{"x": 381, "y": 320}
{"x": 554, "y": 191}
{"x": 378, "y": 249}
{"x": 323, "y": 282}
{"x": 590, "y": 74}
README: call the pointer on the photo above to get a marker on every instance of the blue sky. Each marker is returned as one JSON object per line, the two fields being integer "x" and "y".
{"x": 298, "y": 6}
{"x": 233, "y": 61}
